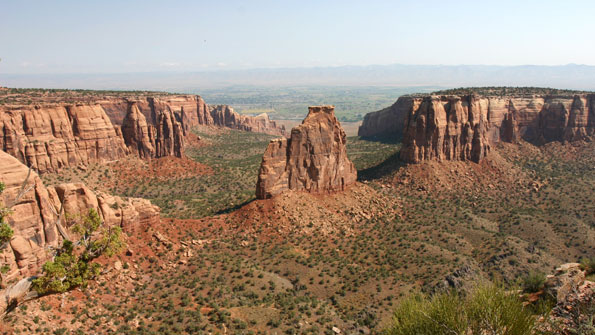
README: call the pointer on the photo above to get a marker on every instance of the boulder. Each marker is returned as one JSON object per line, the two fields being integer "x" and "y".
{"x": 575, "y": 299}
{"x": 564, "y": 282}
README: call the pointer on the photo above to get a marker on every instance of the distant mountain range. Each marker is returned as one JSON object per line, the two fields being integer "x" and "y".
{"x": 571, "y": 76}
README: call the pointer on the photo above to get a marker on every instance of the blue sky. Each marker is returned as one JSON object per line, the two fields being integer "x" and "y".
{"x": 131, "y": 36}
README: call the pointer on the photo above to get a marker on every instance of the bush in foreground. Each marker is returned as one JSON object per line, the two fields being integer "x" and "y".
{"x": 489, "y": 309}
{"x": 534, "y": 282}
{"x": 588, "y": 265}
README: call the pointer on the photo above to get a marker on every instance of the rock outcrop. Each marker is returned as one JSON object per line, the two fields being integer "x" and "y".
{"x": 452, "y": 129}
{"x": 465, "y": 127}
{"x": 138, "y": 134}
{"x": 34, "y": 216}
{"x": 49, "y": 138}
{"x": 163, "y": 138}
{"x": 52, "y": 136}
{"x": 575, "y": 299}
{"x": 314, "y": 158}
{"x": 224, "y": 116}
{"x": 191, "y": 111}
{"x": 388, "y": 121}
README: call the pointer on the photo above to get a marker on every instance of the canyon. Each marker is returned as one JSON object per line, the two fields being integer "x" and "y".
{"x": 314, "y": 158}
{"x": 465, "y": 127}
{"x": 312, "y": 243}
{"x": 48, "y": 135}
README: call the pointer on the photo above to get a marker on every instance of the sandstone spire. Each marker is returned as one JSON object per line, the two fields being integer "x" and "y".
{"x": 313, "y": 159}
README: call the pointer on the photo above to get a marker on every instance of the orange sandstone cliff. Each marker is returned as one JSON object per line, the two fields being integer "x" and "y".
{"x": 465, "y": 127}
{"x": 50, "y": 136}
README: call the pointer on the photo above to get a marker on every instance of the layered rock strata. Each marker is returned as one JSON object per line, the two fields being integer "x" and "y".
{"x": 388, "y": 121}
{"x": 454, "y": 129}
{"x": 54, "y": 137}
{"x": 34, "y": 216}
{"x": 314, "y": 158}
{"x": 446, "y": 127}
{"x": 192, "y": 111}
{"x": 51, "y": 137}
{"x": 165, "y": 137}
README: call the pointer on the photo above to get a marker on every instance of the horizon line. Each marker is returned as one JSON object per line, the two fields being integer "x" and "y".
{"x": 221, "y": 70}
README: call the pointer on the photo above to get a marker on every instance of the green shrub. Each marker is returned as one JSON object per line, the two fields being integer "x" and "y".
{"x": 588, "y": 264}
{"x": 73, "y": 265}
{"x": 493, "y": 310}
{"x": 534, "y": 282}
{"x": 421, "y": 315}
{"x": 489, "y": 309}
{"x": 5, "y": 231}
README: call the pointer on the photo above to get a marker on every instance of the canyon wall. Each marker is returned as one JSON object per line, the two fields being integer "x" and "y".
{"x": 52, "y": 136}
{"x": 466, "y": 127}
{"x": 34, "y": 215}
{"x": 163, "y": 137}
{"x": 191, "y": 111}
{"x": 388, "y": 121}
{"x": 49, "y": 138}
{"x": 452, "y": 129}
{"x": 314, "y": 158}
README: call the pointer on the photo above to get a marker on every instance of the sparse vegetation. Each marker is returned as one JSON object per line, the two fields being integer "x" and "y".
{"x": 343, "y": 260}
{"x": 507, "y": 91}
{"x": 28, "y": 96}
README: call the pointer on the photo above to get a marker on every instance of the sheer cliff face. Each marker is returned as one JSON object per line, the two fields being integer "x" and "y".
{"x": 464, "y": 128}
{"x": 192, "y": 111}
{"x": 452, "y": 129}
{"x": 34, "y": 216}
{"x": 313, "y": 159}
{"x": 389, "y": 120}
{"x": 51, "y": 137}
{"x": 164, "y": 137}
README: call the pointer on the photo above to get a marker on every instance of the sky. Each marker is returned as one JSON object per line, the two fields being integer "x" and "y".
{"x": 108, "y": 36}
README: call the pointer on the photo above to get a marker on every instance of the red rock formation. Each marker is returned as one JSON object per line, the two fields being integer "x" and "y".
{"x": 169, "y": 137}
{"x": 53, "y": 137}
{"x": 138, "y": 135}
{"x": 191, "y": 111}
{"x": 314, "y": 159}
{"x": 388, "y": 121}
{"x": 130, "y": 213}
{"x": 165, "y": 137}
{"x": 428, "y": 128}
{"x": 452, "y": 129}
{"x": 50, "y": 137}
{"x": 224, "y": 116}
{"x": 34, "y": 218}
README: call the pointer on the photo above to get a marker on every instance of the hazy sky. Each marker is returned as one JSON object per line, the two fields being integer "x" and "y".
{"x": 129, "y": 36}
